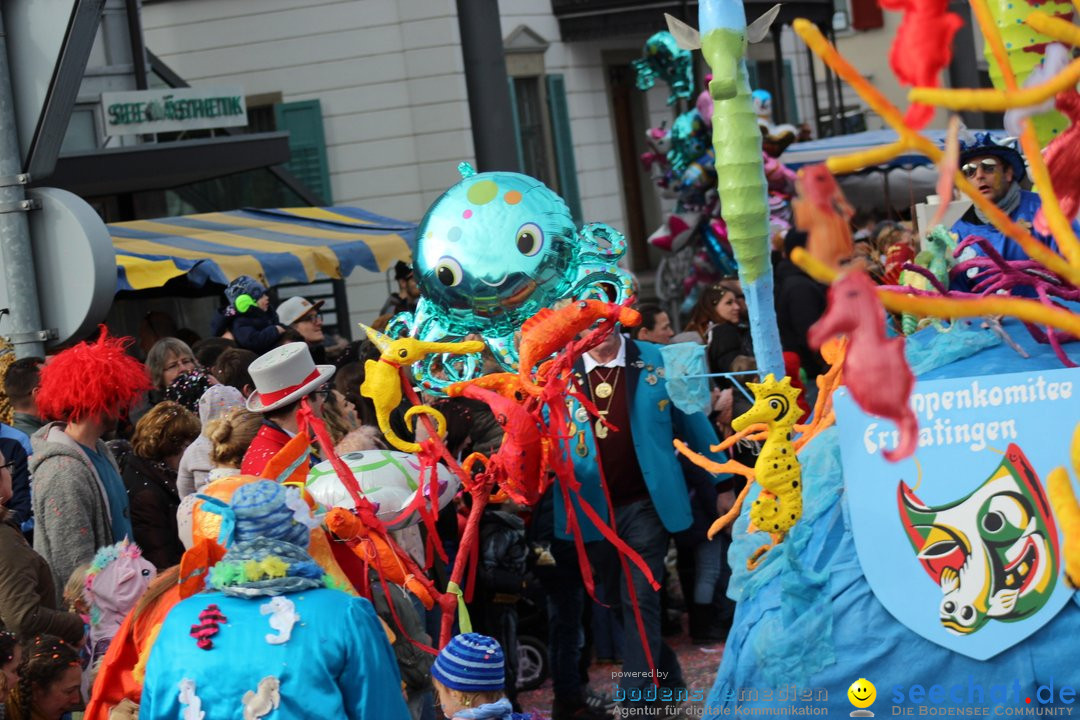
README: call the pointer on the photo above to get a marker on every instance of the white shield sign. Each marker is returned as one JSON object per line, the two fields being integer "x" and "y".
{"x": 959, "y": 542}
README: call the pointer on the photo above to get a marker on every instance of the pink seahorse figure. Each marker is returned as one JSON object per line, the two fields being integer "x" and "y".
{"x": 875, "y": 370}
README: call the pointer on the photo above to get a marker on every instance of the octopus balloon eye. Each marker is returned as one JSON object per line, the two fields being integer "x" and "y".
{"x": 530, "y": 238}
{"x": 448, "y": 271}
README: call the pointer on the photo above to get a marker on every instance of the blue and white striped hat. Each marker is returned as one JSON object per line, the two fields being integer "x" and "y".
{"x": 471, "y": 663}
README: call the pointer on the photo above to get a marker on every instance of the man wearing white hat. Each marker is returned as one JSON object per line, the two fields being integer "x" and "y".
{"x": 284, "y": 378}
{"x": 303, "y": 316}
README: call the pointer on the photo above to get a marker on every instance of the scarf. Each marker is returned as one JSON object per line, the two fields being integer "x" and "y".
{"x": 490, "y": 711}
{"x": 264, "y": 566}
{"x": 1007, "y": 204}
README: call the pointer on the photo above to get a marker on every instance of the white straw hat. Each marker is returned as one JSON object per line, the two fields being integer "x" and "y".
{"x": 284, "y": 375}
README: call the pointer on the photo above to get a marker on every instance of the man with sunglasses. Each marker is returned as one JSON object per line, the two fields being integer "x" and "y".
{"x": 996, "y": 170}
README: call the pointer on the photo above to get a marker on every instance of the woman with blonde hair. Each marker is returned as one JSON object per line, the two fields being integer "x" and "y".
{"x": 160, "y": 438}
{"x": 339, "y": 414}
{"x": 230, "y": 435}
{"x": 195, "y": 465}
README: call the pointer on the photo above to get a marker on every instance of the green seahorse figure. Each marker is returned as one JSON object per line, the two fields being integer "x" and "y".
{"x": 744, "y": 197}
{"x": 938, "y": 258}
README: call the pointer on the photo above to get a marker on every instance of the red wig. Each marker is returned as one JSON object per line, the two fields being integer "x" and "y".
{"x": 91, "y": 380}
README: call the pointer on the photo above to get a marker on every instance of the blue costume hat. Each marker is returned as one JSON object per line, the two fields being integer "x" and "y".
{"x": 1005, "y": 151}
{"x": 261, "y": 509}
{"x": 471, "y": 663}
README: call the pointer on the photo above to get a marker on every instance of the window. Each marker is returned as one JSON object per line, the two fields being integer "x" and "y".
{"x": 307, "y": 143}
{"x": 541, "y": 119}
{"x": 532, "y": 141}
{"x": 857, "y": 15}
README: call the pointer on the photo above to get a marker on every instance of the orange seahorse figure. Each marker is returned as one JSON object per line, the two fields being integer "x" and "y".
{"x": 552, "y": 330}
{"x": 825, "y": 214}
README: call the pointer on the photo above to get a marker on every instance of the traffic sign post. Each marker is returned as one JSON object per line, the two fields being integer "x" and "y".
{"x": 26, "y": 330}
{"x": 35, "y": 106}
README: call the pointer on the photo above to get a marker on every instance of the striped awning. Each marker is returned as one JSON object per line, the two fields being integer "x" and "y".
{"x": 275, "y": 246}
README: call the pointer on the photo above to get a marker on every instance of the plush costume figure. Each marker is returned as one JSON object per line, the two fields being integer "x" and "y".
{"x": 117, "y": 578}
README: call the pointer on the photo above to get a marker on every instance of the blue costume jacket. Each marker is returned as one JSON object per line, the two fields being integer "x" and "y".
{"x": 654, "y": 423}
{"x": 336, "y": 664}
{"x": 1024, "y": 214}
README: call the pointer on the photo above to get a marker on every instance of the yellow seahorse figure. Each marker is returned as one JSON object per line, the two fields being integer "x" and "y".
{"x": 1067, "y": 511}
{"x": 382, "y": 381}
{"x": 779, "y": 504}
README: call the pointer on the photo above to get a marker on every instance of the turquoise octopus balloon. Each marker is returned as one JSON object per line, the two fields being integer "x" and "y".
{"x": 491, "y": 252}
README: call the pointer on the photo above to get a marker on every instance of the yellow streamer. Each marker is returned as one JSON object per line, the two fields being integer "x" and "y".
{"x": 1030, "y": 310}
{"x": 878, "y": 103}
{"x": 1067, "y": 511}
{"x": 464, "y": 622}
{"x": 1060, "y": 226}
{"x": 865, "y": 158}
{"x": 990, "y": 100}
{"x": 1055, "y": 27}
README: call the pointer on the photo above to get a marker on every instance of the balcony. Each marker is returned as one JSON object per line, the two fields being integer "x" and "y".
{"x": 595, "y": 19}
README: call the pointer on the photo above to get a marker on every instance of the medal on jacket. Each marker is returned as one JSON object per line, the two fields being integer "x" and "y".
{"x": 601, "y": 429}
{"x": 606, "y": 387}
{"x": 582, "y": 450}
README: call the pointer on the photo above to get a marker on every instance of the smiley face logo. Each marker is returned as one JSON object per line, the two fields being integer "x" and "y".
{"x": 862, "y": 694}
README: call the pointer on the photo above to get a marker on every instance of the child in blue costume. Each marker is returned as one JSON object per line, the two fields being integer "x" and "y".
{"x": 470, "y": 678}
{"x": 271, "y": 640}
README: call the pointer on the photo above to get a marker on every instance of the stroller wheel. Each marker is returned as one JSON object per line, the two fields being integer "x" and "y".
{"x": 532, "y": 663}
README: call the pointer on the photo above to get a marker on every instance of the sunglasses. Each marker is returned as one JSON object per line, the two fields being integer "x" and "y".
{"x": 7, "y": 465}
{"x": 988, "y": 165}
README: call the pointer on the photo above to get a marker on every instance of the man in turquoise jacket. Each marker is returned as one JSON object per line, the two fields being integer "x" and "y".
{"x": 625, "y": 380}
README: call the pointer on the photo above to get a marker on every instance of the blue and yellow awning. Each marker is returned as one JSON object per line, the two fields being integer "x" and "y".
{"x": 275, "y": 246}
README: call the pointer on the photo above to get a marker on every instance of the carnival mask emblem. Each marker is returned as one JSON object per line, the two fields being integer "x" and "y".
{"x": 993, "y": 553}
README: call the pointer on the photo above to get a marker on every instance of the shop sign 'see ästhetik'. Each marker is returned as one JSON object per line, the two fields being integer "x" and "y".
{"x": 173, "y": 109}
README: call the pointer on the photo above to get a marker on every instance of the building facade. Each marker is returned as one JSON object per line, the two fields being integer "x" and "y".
{"x": 378, "y": 89}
